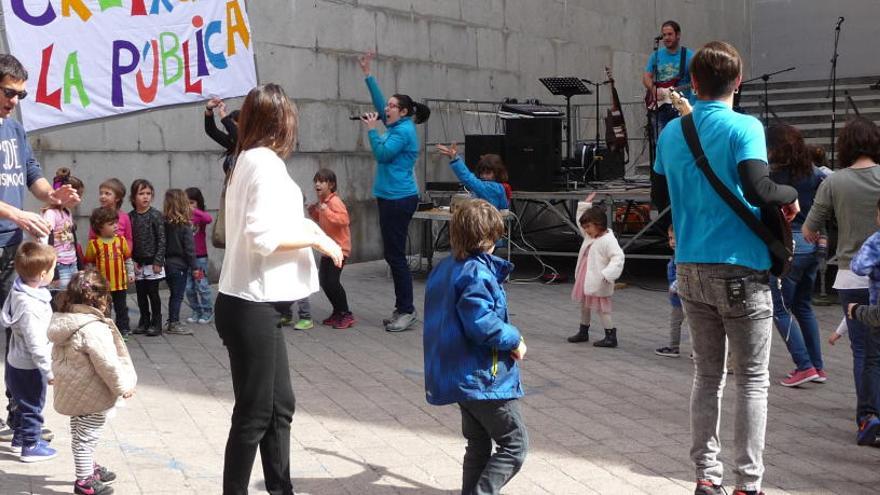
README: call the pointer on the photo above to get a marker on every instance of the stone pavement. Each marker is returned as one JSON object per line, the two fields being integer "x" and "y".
{"x": 611, "y": 421}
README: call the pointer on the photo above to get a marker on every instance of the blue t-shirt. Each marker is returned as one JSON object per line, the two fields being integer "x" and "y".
{"x": 18, "y": 172}
{"x": 706, "y": 229}
{"x": 667, "y": 68}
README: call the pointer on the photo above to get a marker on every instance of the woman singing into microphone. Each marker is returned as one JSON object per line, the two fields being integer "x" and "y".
{"x": 395, "y": 188}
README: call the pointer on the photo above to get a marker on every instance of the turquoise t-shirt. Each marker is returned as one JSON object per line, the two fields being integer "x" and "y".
{"x": 667, "y": 68}
{"x": 706, "y": 229}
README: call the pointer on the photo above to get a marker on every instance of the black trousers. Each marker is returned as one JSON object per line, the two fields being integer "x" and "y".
{"x": 328, "y": 277}
{"x": 149, "y": 304}
{"x": 485, "y": 421}
{"x": 7, "y": 277}
{"x": 120, "y": 307}
{"x": 264, "y": 400}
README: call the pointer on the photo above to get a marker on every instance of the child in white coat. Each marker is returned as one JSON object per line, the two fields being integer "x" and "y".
{"x": 600, "y": 263}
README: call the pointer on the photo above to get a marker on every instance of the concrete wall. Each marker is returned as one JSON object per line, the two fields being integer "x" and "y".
{"x": 800, "y": 33}
{"x": 455, "y": 49}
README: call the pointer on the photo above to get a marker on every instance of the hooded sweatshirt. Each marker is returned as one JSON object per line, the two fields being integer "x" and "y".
{"x": 27, "y": 312}
{"x": 91, "y": 363}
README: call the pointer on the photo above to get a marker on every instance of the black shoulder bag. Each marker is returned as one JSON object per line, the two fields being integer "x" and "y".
{"x": 772, "y": 228}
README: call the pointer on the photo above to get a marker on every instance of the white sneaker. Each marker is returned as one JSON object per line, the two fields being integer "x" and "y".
{"x": 193, "y": 319}
{"x": 401, "y": 322}
{"x": 205, "y": 321}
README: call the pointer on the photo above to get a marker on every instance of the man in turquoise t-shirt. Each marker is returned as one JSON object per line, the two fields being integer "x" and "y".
{"x": 722, "y": 265}
{"x": 664, "y": 70}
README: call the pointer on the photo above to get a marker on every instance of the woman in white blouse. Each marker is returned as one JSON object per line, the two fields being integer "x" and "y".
{"x": 268, "y": 259}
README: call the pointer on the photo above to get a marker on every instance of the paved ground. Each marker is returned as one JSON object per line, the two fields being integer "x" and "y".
{"x": 600, "y": 421}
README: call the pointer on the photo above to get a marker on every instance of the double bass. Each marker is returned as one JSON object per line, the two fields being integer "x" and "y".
{"x": 615, "y": 127}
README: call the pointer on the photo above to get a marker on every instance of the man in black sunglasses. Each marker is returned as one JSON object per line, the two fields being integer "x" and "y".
{"x": 19, "y": 172}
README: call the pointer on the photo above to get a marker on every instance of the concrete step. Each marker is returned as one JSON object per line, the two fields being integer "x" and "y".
{"x": 811, "y": 93}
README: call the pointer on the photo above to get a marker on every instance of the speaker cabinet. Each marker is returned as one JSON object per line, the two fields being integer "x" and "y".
{"x": 477, "y": 145}
{"x": 533, "y": 153}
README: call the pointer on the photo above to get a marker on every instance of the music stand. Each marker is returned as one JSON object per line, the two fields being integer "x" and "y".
{"x": 567, "y": 87}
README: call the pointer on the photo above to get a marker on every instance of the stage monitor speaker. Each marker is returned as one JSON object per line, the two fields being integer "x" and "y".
{"x": 608, "y": 166}
{"x": 533, "y": 153}
{"x": 477, "y": 145}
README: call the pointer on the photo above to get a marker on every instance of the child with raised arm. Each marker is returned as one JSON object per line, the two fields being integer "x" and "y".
{"x": 471, "y": 349}
{"x": 27, "y": 312}
{"x": 488, "y": 179}
{"x": 92, "y": 371}
{"x": 600, "y": 263}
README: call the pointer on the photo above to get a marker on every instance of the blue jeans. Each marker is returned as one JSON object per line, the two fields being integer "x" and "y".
{"x": 176, "y": 279}
{"x": 858, "y": 335}
{"x": 869, "y": 398}
{"x": 483, "y": 421}
{"x": 801, "y": 333}
{"x": 728, "y": 306}
{"x": 65, "y": 273}
{"x": 198, "y": 292}
{"x": 394, "y": 218}
{"x": 28, "y": 388}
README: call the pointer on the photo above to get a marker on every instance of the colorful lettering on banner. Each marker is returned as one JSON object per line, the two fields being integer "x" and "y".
{"x": 98, "y": 58}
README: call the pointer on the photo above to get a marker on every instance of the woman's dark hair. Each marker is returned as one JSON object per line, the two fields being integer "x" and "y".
{"x": 492, "y": 163}
{"x": 195, "y": 194}
{"x": 595, "y": 216}
{"x": 234, "y": 115}
{"x": 715, "y": 67}
{"x": 268, "y": 119}
{"x": 787, "y": 150}
{"x": 859, "y": 137}
{"x": 418, "y": 111}
{"x": 87, "y": 287}
{"x": 326, "y": 175}
{"x": 136, "y": 187}
{"x": 817, "y": 154}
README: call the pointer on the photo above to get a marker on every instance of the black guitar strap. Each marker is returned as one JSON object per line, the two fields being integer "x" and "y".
{"x": 682, "y": 65}
{"x": 693, "y": 141}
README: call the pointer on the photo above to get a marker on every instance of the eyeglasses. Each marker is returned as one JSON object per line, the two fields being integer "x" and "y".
{"x": 393, "y": 105}
{"x": 12, "y": 93}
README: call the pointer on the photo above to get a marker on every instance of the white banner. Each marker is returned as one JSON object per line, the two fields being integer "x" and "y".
{"x": 88, "y": 59}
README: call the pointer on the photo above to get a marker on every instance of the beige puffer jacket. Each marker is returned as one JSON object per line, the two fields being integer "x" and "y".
{"x": 91, "y": 364}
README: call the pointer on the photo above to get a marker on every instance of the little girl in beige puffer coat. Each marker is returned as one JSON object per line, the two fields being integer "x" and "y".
{"x": 92, "y": 368}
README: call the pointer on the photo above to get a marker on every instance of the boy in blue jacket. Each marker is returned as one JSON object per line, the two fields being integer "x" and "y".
{"x": 471, "y": 349}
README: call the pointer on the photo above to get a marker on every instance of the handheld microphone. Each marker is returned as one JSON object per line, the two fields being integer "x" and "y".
{"x": 658, "y": 37}
{"x": 355, "y": 117}
{"x": 839, "y": 21}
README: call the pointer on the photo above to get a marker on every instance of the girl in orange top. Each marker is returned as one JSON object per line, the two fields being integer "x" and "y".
{"x": 332, "y": 215}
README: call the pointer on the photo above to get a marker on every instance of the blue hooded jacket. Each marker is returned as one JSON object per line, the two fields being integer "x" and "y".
{"x": 491, "y": 191}
{"x": 867, "y": 263}
{"x": 396, "y": 152}
{"x": 467, "y": 335}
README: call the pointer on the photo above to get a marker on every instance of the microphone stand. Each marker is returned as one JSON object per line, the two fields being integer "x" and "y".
{"x": 832, "y": 86}
{"x": 653, "y": 133}
{"x": 765, "y": 112}
{"x": 596, "y": 143}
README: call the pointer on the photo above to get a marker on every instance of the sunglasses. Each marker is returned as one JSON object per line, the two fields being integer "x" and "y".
{"x": 11, "y": 93}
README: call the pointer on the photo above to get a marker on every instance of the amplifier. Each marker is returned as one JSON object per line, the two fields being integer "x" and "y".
{"x": 608, "y": 165}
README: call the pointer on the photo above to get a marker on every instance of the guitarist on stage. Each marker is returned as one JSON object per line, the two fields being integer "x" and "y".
{"x": 666, "y": 68}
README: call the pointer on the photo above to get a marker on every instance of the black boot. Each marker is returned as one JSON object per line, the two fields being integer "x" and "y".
{"x": 610, "y": 339}
{"x": 155, "y": 329}
{"x": 583, "y": 335}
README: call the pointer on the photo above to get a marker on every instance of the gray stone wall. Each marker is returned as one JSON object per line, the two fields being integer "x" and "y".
{"x": 454, "y": 49}
{"x": 800, "y": 33}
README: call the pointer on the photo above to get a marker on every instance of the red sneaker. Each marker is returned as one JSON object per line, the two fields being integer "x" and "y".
{"x": 800, "y": 377}
{"x": 330, "y": 320}
{"x": 346, "y": 320}
{"x": 823, "y": 377}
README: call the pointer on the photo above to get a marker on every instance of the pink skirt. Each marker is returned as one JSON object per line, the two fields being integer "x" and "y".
{"x": 600, "y": 304}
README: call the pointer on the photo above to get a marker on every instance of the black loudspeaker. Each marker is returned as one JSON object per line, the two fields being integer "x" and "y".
{"x": 609, "y": 165}
{"x": 533, "y": 153}
{"x": 477, "y": 145}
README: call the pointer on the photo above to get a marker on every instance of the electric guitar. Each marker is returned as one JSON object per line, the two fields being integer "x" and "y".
{"x": 663, "y": 98}
{"x": 680, "y": 103}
